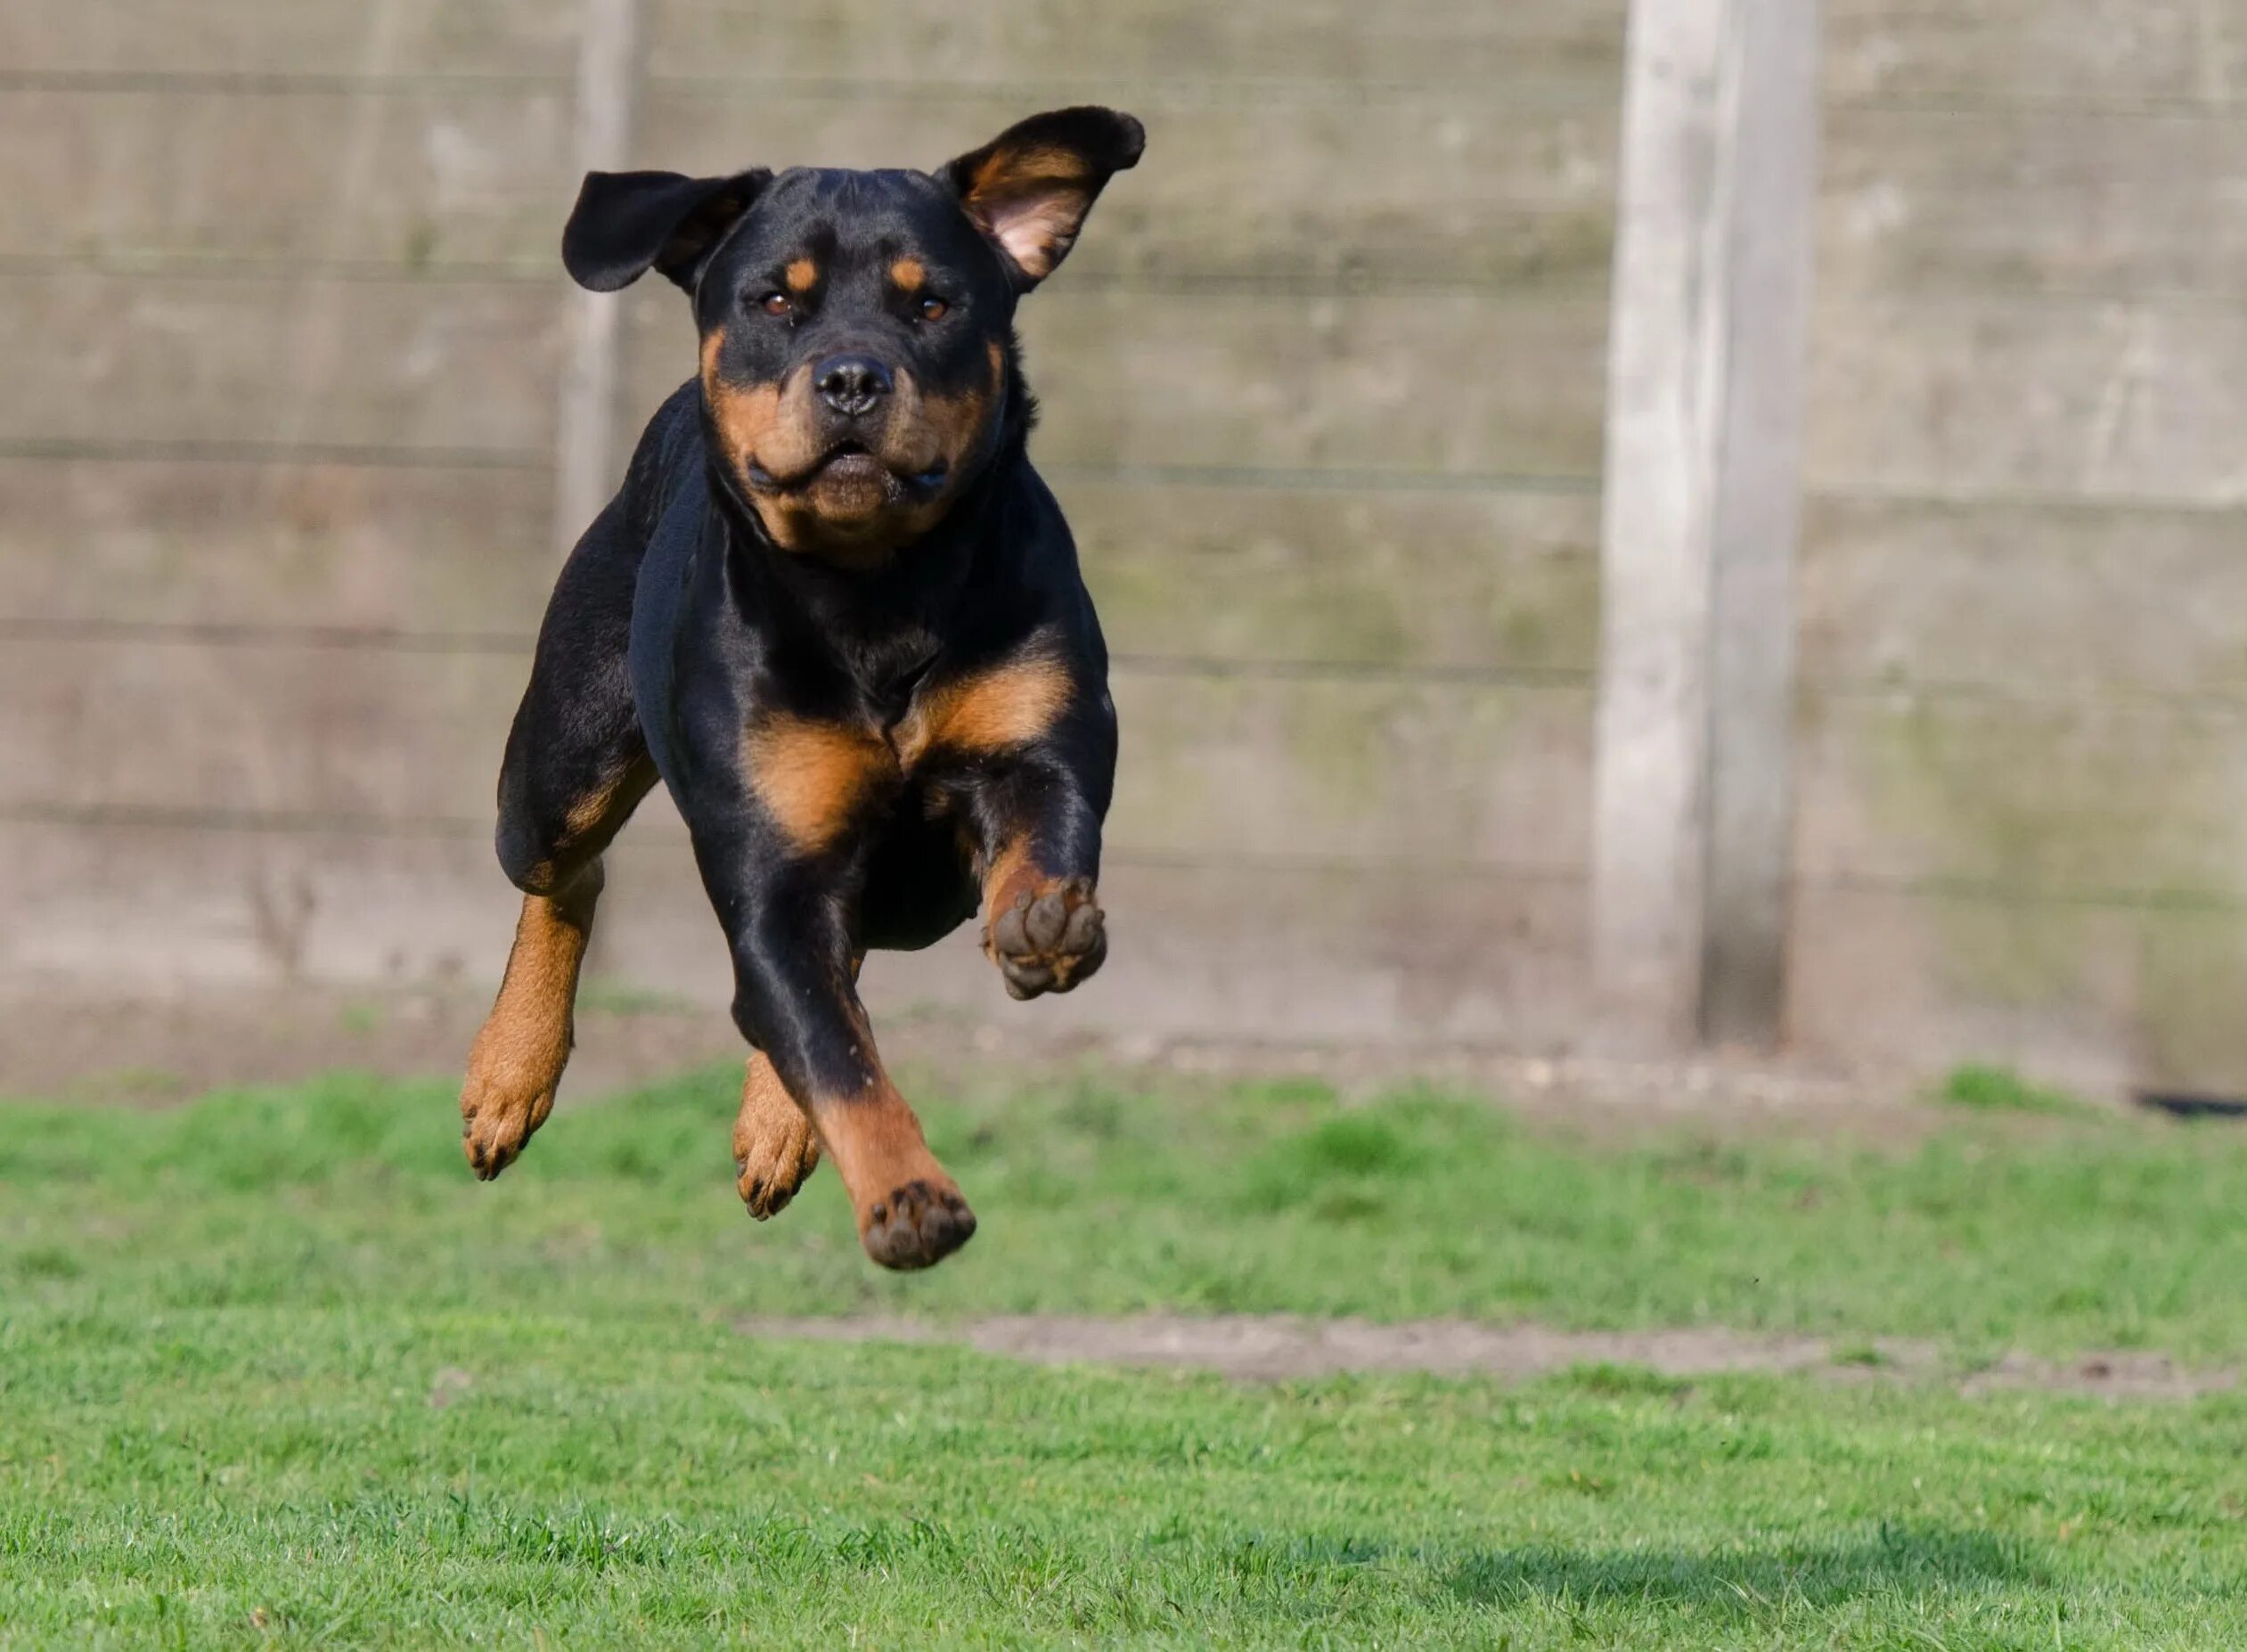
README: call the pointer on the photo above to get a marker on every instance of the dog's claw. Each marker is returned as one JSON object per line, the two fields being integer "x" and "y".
{"x": 498, "y": 1112}
{"x": 772, "y": 1158}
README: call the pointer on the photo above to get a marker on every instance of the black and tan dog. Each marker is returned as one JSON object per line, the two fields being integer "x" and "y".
{"x": 837, "y": 612}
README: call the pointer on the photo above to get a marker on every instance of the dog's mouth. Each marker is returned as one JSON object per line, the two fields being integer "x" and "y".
{"x": 848, "y": 466}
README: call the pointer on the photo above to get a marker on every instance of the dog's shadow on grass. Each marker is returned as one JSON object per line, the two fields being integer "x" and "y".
{"x": 1896, "y": 1560}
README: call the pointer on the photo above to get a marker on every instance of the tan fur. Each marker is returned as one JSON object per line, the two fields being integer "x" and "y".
{"x": 746, "y": 414}
{"x": 1033, "y": 200}
{"x": 875, "y": 1143}
{"x": 599, "y": 812}
{"x": 948, "y": 427}
{"x": 810, "y": 777}
{"x": 590, "y": 812}
{"x": 766, "y": 424}
{"x": 926, "y": 429}
{"x": 775, "y": 1145}
{"x": 1002, "y": 709}
{"x": 871, "y": 1131}
{"x": 1009, "y": 872}
{"x": 771, "y": 427}
{"x": 516, "y": 1063}
{"x": 909, "y": 275}
{"x": 775, "y": 1148}
{"x": 1009, "y": 171}
{"x": 801, "y": 275}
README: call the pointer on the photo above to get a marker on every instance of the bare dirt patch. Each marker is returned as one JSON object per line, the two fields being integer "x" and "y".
{"x": 1273, "y": 1348}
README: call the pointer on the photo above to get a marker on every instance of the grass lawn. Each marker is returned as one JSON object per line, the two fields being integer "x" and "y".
{"x": 273, "y": 1368}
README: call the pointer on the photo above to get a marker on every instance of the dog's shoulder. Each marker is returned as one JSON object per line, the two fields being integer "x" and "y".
{"x": 668, "y": 456}
{"x": 1038, "y": 551}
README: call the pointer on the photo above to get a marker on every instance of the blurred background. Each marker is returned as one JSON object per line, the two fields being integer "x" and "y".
{"x": 1923, "y": 600}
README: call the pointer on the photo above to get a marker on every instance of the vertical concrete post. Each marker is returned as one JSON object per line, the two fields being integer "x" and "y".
{"x": 1692, "y": 810}
{"x": 588, "y": 456}
{"x": 587, "y": 450}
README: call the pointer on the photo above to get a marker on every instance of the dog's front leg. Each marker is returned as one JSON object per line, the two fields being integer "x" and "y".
{"x": 1037, "y": 832}
{"x": 796, "y": 1001}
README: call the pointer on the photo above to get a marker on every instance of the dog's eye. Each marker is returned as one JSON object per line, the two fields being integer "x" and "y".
{"x": 775, "y": 304}
{"x": 933, "y": 309}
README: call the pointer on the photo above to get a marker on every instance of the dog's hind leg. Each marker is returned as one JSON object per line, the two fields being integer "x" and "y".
{"x": 775, "y": 1149}
{"x": 795, "y": 1000}
{"x": 577, "y": 766}
{"x": 516, "y": 1064}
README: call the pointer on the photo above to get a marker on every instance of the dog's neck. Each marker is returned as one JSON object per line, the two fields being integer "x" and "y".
{"x": 878, "y": 624}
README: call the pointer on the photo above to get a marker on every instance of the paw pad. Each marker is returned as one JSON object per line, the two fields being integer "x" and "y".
{"x": 1048, "y": 939}
{"x": 918, "y": 1226}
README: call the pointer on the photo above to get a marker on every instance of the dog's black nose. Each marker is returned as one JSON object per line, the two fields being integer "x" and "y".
{"x": 852, "y": 384}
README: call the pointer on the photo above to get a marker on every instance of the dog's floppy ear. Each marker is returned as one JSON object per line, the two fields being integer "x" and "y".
{"x": 1029, "y": 188}
{"x": 625, "y": 224}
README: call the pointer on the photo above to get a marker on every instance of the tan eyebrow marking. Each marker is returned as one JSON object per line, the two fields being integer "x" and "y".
{"x": 801, "y": 275}
{"x": 909, "y": 275}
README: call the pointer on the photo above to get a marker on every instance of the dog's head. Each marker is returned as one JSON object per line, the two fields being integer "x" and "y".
{"x": 857, "y": 327}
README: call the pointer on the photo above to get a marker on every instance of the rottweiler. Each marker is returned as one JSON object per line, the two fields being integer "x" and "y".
{"x": 835, "y": 610}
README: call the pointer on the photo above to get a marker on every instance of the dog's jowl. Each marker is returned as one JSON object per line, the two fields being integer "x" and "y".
{"x": 838, "y": 614}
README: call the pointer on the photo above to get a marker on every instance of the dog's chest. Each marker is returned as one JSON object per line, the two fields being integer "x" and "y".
{"x": 816, "y": 777}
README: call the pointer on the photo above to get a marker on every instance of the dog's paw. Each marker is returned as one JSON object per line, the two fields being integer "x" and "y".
{"x": 1050, "y": 939}
{"x": 774, "y": 1153}
{"x": 918, "y": 1226}
{"x": 500, "y": 1107}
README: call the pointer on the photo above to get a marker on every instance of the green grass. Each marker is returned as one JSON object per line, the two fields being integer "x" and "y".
{"x": 274, "y": 1370}
{"x": 2001, "y": 1089}
{"x": 2048, "y": 1236}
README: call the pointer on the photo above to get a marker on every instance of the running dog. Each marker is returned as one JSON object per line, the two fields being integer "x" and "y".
{"x": 837, "y": 613}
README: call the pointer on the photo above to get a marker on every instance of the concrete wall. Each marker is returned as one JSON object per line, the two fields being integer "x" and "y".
{"x": 284, "y": 316}
{"x": 281, "y": 316}
{"x": 2022, "y": 761}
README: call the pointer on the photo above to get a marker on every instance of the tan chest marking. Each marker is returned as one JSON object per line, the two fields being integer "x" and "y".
{"x": 812, "y": 777}
{"x": 1002, "y": 709}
